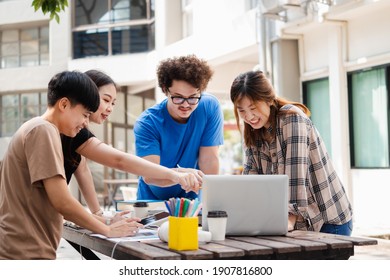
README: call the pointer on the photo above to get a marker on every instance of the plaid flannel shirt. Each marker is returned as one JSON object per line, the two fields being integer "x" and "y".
{"x": 316, "y": 193}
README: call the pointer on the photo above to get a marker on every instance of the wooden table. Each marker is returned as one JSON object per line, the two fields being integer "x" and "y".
{"x": 299, "y": 245}
{"x": 113, "y": 185}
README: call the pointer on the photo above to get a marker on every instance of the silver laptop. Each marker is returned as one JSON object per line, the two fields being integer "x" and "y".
{"x": 255, "y": 204}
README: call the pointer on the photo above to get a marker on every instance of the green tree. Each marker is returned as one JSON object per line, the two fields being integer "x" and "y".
{"x": 50, "y": 6}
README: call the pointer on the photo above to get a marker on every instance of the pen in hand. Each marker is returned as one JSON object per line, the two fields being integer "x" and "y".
{"x": 178, "y": 166}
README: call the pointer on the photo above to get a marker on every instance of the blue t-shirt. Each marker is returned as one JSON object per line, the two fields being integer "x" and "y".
{"x": 157, "y": 133}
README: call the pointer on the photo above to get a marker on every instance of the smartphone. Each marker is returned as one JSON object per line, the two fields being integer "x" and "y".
{"x": 154, "y": 218}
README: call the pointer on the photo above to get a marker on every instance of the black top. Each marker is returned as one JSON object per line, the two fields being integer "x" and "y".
{"x": 69, "y": 146}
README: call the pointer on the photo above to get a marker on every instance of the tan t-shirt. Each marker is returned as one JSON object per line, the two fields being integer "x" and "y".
{"x": 30, "y": 227}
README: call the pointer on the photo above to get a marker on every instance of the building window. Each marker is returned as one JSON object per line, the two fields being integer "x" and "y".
{"x": 112, "y": 27}
{"x": 24, "y": 47}
{"x": 316, "y": 98}
{"x": 369, "y": 117}
{"x": 18, "y": 108}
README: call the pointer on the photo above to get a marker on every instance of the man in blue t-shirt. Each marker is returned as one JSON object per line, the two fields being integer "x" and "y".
{"x": 183, "y": 131}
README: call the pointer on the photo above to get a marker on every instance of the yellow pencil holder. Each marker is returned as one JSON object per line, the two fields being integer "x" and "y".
{"x": 183, "y": 233}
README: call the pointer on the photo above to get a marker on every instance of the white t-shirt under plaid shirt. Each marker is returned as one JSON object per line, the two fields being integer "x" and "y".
{"x": 316, "y": 193}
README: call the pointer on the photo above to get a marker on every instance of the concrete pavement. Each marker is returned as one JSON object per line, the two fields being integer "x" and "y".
{"x": 375, "y": 252}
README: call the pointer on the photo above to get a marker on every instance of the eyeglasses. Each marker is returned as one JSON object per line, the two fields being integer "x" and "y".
{"x": 180, "y": 100}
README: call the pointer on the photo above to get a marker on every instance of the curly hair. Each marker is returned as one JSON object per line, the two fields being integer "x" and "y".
{"x": 188, "y": 68}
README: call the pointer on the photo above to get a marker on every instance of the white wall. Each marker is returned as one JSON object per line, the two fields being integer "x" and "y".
{"x": 371, "y": 197}
{"x": 368, "y": 36}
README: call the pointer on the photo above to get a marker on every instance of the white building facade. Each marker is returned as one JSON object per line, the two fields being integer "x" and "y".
{"x": 332, "y": 55}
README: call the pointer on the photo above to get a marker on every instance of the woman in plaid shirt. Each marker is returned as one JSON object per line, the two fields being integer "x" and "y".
{"x": 280, "y": 138}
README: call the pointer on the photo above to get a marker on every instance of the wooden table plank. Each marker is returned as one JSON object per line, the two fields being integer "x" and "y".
{"x": 330, "y": 240}
{"x": 144, "y": 251}
{"x": 319, "y": 246}
{"x": 277, "y": 247}
{"x": 357, "y": 241}
{"x": 250, "y": 249}
{"x": 185, "y": 255}
{"x": 306, "y": 245}
{"x": 221, "y": 251}
{"x": 332, "y": 243}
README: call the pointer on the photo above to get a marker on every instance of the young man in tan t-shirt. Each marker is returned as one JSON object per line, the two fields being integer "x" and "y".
{"x": 34, "y": 195}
